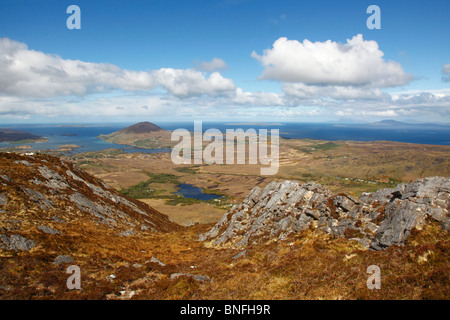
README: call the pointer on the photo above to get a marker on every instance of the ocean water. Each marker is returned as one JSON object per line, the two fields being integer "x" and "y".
{"x": 420, "y": 134}
{"x": 86, "y": 135}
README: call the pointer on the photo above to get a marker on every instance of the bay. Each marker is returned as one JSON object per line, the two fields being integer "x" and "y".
{"x": 85, "y": 135}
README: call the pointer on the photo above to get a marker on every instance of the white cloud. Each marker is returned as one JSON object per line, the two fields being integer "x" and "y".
{"x": 303, "y": 91}
{"x": 215, "y": 64}
{"x": 367, "y": 113}
{"x": 34, "y": 84}
{"x": 423, "y": 98}
{"x": 189, "y": 82}
{"x": 446, "y": 72}
{"x": 357, "y": 63}
{"x": 241, "y": 97}
{"x": 102, "y": 107}
{"x": 347, "y": 80}
{"x": 30, "y": 73}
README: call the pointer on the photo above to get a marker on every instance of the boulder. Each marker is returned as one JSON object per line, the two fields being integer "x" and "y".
{"x": 62, "y": 259}
{"x": 48, "y": 230}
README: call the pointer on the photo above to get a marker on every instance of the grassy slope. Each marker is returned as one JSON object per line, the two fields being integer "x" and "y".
{"x": 310, "y": 265}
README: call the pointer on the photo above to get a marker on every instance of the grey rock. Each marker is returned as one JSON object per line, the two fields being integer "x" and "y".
{"x": 365, "y": 242}
{"x": 54, "y": 180}
{"x": 379, "y": 219}
{"x": 196, "y": 277}
{"x": 422, "y": 198}
{"x": 401, "y": 217}
{"x": 5, "y": 177}
{"x": 341, "y": 226}
{"x": 127, "y": 233}
{"x": 371, "y": 227}
{"x": 275, "y": 210}
{"x": 38, "y": 198}
{"x": 62, "y": 259}
{"x": 345, "y": 203}
{"x": 446, "y": 224}
{"x": 25, "y": 162}
{"x": 3, "y": 199}
{"x": 94, "y": 208}
{"x": 16, "y": 242}
{"x": 154, "y": 260}
{"x": 57, "y": 219}
{"x": 313, "y": 213}
{"x": 240, "y": 254}
{"x": 48, "y": 230}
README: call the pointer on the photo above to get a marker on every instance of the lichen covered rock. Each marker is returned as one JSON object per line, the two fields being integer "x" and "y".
{"x": 377, "y": 220}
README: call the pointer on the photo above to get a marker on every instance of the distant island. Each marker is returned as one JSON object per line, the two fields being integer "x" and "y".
{"x": 253, "y": 124}
{"x": 390, "y": 122}
{"x": 68, "y": 147}
{"x": 142, "y": 135}
{"x": 15, "y": 136}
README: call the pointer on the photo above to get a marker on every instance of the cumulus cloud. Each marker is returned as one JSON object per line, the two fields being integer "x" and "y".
{"x": 423, "y": 106}
{"x": 242, "y": 97}
{"x": 446, "y": 72}
{"x": 189, "y": 82}
{"x": 31, "y": 73}
{"x": 357, "y": 62}
{"x": 215, "y": 64}
{"x": 303, "y": 91}
{"x": 319, "y": 80}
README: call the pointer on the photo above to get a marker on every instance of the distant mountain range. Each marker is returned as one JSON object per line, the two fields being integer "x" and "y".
{"x": 399, "y": 123}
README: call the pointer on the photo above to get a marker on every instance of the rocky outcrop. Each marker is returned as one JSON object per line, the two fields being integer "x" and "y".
{"x": 377, "y": 220}
{"x": 40, "y": 190}
{"x": 408, "y": 206}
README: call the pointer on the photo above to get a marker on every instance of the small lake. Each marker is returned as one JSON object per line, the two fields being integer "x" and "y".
{"x": 189, "y": 191}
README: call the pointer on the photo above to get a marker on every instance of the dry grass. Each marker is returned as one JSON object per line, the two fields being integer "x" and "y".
{"x": 310, "y": 265}
{"x": 195, "y": 213}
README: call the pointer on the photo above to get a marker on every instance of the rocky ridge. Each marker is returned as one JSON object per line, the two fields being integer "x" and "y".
{"x": 39, "y": 192}
{"x": 376, "y": 220}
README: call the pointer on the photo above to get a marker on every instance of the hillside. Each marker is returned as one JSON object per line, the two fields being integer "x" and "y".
{"x": 142, "y": 135}
{"x": 39, "y": 188}
{"x": 301, "y": 241}
{"x": 141, "y": 127}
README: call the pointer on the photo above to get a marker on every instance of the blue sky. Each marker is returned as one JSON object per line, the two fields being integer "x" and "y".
{"x": 224, "y": 60}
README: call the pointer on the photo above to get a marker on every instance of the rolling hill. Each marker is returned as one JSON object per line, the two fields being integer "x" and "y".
{"x": 141, "y": 135}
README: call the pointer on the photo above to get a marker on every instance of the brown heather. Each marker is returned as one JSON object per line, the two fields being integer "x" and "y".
{"x": 307, "y": 265}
